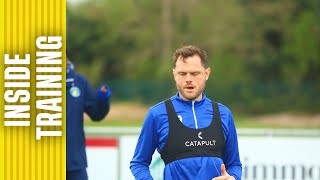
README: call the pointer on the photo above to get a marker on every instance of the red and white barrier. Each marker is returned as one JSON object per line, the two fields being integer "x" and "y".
{"x": 263, "y": 156}
{"x": 103, "y": 158}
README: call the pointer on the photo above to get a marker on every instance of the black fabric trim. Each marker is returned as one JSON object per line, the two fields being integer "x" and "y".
{"x": 178, "y": 131}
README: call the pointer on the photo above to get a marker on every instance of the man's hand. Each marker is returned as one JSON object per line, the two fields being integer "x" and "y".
{"x": 224, "y": 174}
{"x": 104, "y": 92}
{"x": 104, "y": 88}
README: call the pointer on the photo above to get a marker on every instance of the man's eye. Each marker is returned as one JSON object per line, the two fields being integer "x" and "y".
{"x": 182, "y": 74}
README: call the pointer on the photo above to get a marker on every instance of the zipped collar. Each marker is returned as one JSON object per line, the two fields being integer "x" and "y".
{"x": 189, "y": 103}
{"x": 192, "y": 104}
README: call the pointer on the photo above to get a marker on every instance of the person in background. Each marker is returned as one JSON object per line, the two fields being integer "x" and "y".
{"x": 195, "y": 136}
{"x": 81, "y": 98}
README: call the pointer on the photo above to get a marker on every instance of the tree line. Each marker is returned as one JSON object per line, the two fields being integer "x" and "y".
{"x": 255, "y": 48}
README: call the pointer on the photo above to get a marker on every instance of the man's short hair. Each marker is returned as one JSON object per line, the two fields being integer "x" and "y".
{"x": 189, "y": 51}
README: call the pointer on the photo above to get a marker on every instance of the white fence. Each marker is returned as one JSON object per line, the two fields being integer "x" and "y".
{"x": 266, "y": 154}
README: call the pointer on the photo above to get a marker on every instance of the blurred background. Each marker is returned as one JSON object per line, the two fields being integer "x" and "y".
{"x": 264, "y": 56}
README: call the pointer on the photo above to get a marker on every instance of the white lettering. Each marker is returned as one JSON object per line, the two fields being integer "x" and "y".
{"x": 54, "y": 42}
{"x": 40, "y": 133}
{"x": 18, "y": 73}
{"x": 200, "y": 143}
{"x": 16, "y": 59}
{"x": 49, "y": 81}
{"x": 16, "y": 123}
{"x": 49, "y": 93}
{"x": 46, "y": 119}
{"x": 17, "y": 77}
{"x": 24, "y": 93}
{"x": 17, "y": 84}
{"x": 17, "y": 111}
{"x": 49, "y": 104}
{"x": 51, "y": 108}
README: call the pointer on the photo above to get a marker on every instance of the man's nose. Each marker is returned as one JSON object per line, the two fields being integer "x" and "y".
{"x": 188, "y": 78}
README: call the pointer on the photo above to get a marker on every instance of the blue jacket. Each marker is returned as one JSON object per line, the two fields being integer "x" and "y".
{"x": 81, "y": 98}
{"x": 154, "y": 135}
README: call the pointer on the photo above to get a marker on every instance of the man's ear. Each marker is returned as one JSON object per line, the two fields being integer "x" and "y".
{"x": 208, "y": 71}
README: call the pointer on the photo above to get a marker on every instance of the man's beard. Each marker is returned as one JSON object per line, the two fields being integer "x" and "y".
{"x": 190, "y": 96}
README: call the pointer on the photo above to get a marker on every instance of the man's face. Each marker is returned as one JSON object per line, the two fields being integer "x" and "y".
{"x": 190, "y": 77}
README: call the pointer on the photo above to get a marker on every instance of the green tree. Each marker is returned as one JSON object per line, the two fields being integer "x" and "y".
{"x": 302, "y": 49}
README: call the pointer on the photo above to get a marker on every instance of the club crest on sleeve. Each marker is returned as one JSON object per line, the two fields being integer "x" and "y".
{"x": 75, "y": 91}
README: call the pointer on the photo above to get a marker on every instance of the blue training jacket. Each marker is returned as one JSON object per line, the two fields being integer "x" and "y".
{"x": 154, "y": 134}
{"x": 81, "y": 98}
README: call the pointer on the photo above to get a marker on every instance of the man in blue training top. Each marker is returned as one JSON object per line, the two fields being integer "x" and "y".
{"x": 81, "y": 98}
{"x": 195, "y": 136}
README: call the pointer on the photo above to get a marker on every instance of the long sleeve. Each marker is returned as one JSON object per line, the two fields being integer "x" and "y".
{"x": 97, "y": 104}
{"x": 231, "y": 156}
{"x": 146, "y": 145}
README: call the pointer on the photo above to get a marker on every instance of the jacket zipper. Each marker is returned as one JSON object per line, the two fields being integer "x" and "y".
{"x": 194, "y": 115}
